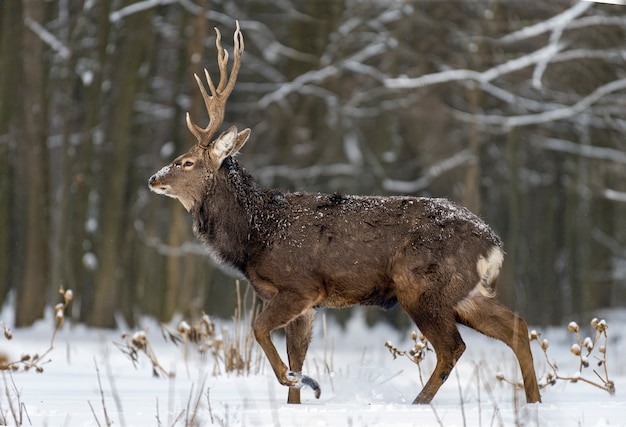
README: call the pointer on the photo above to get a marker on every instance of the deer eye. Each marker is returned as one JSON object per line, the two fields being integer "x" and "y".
{"x": 188, "y": 164}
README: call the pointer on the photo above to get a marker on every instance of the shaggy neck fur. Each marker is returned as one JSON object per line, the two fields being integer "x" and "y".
{"x": 224, "y": 218}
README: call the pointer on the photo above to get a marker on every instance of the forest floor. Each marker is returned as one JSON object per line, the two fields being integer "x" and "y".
{"x": 88, "y": 380}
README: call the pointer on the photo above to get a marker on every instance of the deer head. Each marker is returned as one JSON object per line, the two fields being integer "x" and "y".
{"x": 189, "y": 175}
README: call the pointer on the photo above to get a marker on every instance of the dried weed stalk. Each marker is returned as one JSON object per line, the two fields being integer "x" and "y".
{"x": 17, "y": 408}
{"x": 583, "y": 349}
{"x": 232, "y": 350}
{"x": 415, "y": 354}
{"x": 201, "y": 334}
{"x": 36, "y": 361}
{"x": 138, "y": 343}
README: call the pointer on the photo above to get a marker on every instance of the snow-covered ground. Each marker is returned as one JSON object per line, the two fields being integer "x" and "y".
{"x": 366, "y": 386}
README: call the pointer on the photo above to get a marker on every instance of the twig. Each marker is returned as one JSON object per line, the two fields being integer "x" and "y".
{"x": 416, "y": 354}
{"x": 436, "y": 415}
{"x": 208, "y": 401}
{"x": 93, "y": 412}
{"x": 458, "y": 381}
{"x": 17, "y": 414}
{"x": 158, "y": 418}
{"x": 36, "y": 361}
{"x": 233, "y": 349}
{"x": 194, "y": 414}
{"x": 582, "y": 349}
{"x": 138, "y": 343}
{"x": 116, "y": 396}
{"x": 107, "y": 420}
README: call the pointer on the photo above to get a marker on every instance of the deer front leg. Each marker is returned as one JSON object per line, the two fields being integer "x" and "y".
{"x": 279, "y": 312}
{"x": 298, "y": 335}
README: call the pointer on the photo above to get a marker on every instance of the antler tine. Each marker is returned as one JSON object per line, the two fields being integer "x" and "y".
{"x": 216, "y": 102}
{"x": 237, "y": 51}
{"x": 222, "y": 60}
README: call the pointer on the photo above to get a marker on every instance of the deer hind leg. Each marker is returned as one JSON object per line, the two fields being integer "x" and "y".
{"x": 449, "y": 346}
{"x": 493, "y": 319}
{"x": 298, "y": 335}
{"x": 438, "y": 325}
{"x": 282, "y": 309}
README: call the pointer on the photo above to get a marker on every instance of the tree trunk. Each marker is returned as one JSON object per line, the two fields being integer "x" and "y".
{"x": 10, "y": 33}
{"x": 116, "y": 163}
{"x": 32, "y": 289}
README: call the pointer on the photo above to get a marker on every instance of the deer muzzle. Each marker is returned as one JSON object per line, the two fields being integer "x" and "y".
{"x": 155, "y": 182}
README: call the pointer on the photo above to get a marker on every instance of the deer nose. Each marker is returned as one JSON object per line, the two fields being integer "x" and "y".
{"x": 151, "y": 180}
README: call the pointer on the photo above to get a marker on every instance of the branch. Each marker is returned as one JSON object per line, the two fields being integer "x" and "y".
{"x": 589, "y": 151}
{"x": 481, "y": 77}
{"x": 270, "y": 172}
{"x": 614, "y": 195}
{"x": 589, "y": 21}
{"x": 561, "y": 20}
{"x": 316, "y": 76}
{"x": 140, "y": 6}
{"x": 47, "y": 37}
{"x": 169, "y": 250}
{"x": 547, "y": 116}
{"x": 293, "y": 86}
{"x": 431, "y": 173}
{"x": 542, "y": 65}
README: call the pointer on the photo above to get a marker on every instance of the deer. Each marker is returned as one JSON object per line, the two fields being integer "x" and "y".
{"x": 302, "y": 251}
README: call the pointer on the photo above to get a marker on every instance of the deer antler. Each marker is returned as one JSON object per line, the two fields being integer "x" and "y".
{"x": 216, "y": 101}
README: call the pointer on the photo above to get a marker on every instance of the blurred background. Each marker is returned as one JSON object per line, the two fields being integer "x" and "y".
{"x": 516, "y": 110}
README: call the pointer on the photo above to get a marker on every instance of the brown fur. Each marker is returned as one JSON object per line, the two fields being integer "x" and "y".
{"x": 306, "y": 250}
{"x": 301, "y": 251}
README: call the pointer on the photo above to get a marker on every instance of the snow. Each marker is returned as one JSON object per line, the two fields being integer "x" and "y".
{"x": 365, "y": 386}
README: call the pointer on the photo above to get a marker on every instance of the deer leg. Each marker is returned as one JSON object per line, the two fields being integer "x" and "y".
{"x": 298, "y": 335}
{"x": 279, "y": 312}
{"x": 493, "y": 319}
{"x": 448, "y": 347}
{"x": 440, "y": 329}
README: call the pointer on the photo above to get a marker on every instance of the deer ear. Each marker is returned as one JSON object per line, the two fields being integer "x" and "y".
{"x": 242, "y": 137}
{"x": 224, "y": 145}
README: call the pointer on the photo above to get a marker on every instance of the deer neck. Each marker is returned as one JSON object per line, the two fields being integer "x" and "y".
{"x": 223, "y": 219}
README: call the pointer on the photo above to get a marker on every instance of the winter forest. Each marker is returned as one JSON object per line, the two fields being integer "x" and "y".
{"x": 516, "y": 110}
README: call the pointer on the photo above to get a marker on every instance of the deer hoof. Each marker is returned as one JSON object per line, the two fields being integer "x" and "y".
{"x": 299, "y": 380}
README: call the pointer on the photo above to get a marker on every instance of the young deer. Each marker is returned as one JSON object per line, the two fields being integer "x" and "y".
{"x": 301, "y": 251}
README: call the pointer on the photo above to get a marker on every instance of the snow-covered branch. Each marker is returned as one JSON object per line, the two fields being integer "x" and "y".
{"x": 614, "y": 195}
{"x": 481, "y": 77}
{"x": 267, "y": 173}
{"x": 559, "y": 21}
{"x": 431, "y": 173}
{"x": 168, "y": 250}
{"x": 285, "y": 89}
{"x": 588, "y": 151}
{"x": 48, "y": 38}
{"x": 546, "y": 116}
{"x": 319, "y": 75}
{"x": 140, "y": 6}
{"x": 595, "y": 20}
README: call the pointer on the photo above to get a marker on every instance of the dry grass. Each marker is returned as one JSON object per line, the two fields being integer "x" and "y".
{"x": 232, "y": 350}
{"x": 584, "y": 350}
{"x": 16, "y": 407}
{"x": 415, "y": 354}
{"x": 26, "y": 362}
{"x": 35, "y": 360}
{"x": 589, "y": 351}
{"x": 136, "y": 344}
